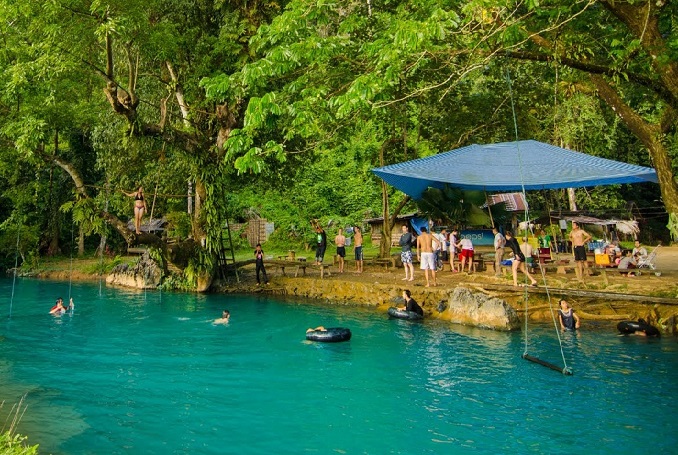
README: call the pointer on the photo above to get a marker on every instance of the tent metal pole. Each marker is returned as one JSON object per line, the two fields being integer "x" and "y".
{"x": 489, "y": 208}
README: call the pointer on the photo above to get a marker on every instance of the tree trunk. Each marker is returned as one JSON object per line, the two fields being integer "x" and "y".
{"x": 571, "y": 197}
{"x": 649, "y": 134}
{"x": 81, "y": 242}
{"x": 385, "y": 243}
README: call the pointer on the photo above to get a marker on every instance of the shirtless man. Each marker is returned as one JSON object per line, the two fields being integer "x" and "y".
{"x": 579, "y": 237}
{"x": 225, "y": 317}
{"x": 358, "y": 249}
{"x": 425, "y": 254}
{"x": 340, "y": 241}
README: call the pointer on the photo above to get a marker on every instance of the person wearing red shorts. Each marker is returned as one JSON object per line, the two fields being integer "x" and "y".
{"x": 466, "y": 253}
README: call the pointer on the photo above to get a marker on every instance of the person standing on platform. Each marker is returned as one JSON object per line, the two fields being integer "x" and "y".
{"x": 259, "y": 258}
{"x": 321, "y": 244}
{"x": 499, "y": 244}
{"x": 340, "y": 241}
{"x": 425, "y": 254}
{"x": 406, "y": 253}
{"x": 358, "y": 249}
{"x": 454, "y": 239}
{"x": 466, "y": 253}
{"x": 139, "y": 207}
{"x": 579, "y": 237}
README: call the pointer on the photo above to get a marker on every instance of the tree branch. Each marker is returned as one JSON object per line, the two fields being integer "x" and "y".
{"x": 594, "y": 68}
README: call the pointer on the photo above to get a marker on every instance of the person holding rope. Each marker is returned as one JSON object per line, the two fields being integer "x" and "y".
{"x": 139, "y": 207}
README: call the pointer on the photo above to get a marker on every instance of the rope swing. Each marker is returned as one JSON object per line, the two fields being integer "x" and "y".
{"x": 565, "y": 369}
{"x": 16, "y": 264}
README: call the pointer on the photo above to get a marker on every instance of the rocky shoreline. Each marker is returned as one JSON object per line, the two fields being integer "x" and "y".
{"x": 477, "y": 299}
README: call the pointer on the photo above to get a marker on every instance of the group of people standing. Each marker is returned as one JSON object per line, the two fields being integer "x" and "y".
{"x": 432, "y": 249}
{"x": 340, "y": 242}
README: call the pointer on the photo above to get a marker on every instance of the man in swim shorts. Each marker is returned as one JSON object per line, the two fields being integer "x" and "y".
{"x": 340, "y": 241}
{"x": 426, "y": 255}
{"x": 358, "y": 249}
{"x": 406, "y": 253}
{"x": 579, "y": 237}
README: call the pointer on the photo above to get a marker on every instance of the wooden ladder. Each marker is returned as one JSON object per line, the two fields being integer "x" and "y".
{"x": 226, "y": 252}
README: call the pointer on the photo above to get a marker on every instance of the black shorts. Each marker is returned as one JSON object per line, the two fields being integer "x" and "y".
{"x": 341, "y": 251}
{"x": 579, "y": 253}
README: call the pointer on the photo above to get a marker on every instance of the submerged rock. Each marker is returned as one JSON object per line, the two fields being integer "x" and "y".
{"x": 480, "y": 310}
{"x": 145, "y": 274}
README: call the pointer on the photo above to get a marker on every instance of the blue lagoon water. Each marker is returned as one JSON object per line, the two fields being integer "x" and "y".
{"x": 136, "y": 372}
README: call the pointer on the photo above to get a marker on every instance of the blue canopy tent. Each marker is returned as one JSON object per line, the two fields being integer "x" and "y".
{"x": 510, "y": 166}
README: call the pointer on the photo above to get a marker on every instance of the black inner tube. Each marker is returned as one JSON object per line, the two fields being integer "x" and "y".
{"x": 403, "y": 314}
{"x": 330, "y": 335}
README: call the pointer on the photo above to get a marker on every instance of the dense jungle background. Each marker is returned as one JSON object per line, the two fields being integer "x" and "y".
{"x": 233, "y": 110}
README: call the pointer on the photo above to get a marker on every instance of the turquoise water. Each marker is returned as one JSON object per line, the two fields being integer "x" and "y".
{"x": 135, "y": 372}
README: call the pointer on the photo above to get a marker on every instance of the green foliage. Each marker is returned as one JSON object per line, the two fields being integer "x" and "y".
{"x": 460, "y": 207}
{"x": 15, "y": 444}
{"x": 178, "y": 225}
{"x": 104, "y": 266}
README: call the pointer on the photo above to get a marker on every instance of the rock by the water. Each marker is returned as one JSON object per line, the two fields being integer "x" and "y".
{"x": 480, "y": 310}
{"x": 145, "y": 274}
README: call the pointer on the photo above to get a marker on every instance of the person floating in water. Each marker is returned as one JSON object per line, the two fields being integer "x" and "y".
{"x": 225, "y": 316}
{"x": 411, "y": 304}
{"x": 320, "y": 328}
{"x": 58, "y": 309}
{"x": 139, "y": 207}
{"x": 567, "y": 317}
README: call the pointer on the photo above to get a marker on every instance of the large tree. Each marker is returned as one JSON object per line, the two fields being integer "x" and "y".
{"x": 626, "y": 52}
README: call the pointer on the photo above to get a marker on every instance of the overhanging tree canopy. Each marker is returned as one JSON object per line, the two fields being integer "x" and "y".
{"x": 510, "y": 166}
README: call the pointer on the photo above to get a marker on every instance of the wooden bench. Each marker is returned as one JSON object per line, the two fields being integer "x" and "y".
{"x": 564, "y": 268}
{"x": 299, "y": 266}
{"x": 385, "y": 262}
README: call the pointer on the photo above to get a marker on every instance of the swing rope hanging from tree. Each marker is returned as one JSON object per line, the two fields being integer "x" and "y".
{"x": 565, "y": 369}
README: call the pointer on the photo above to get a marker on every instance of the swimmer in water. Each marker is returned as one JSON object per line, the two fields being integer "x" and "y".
{"x": 58, "y": 309}
{"x": 225, "y": 316}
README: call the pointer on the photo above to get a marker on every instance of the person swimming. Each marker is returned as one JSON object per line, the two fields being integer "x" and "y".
{"x": 58, "y": 309}
{"x": 225, "y": 316}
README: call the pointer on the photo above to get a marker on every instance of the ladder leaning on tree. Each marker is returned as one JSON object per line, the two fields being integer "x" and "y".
{"x": 226, "y": 251}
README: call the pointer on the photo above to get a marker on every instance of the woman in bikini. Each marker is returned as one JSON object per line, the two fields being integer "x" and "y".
{"x": 139, "y": 207}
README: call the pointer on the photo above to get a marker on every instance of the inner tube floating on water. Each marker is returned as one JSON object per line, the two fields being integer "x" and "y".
{"x": 404, "y": 314}
{"x": 330, "y": 335}
{"x": 630, "y": 327}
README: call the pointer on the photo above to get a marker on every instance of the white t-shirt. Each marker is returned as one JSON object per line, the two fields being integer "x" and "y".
{"x": 441, "y": 239}
{"x": 466, "y": 244}
{"x": 499, "y": 241}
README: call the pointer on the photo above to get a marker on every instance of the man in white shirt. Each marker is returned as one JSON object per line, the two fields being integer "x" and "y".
{"x": 499, "y": 244}
{"x": 438, "y": 247}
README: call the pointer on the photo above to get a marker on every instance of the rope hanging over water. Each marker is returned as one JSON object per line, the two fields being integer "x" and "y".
{"x": 70, "y": 273}
{"x": 565, "y": 369}
{"x": 16, "y": 264}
